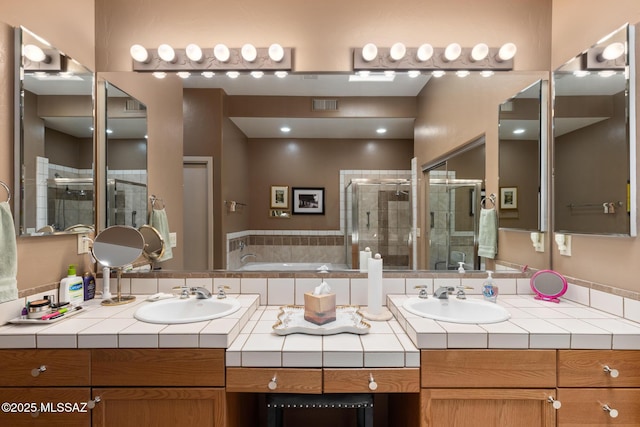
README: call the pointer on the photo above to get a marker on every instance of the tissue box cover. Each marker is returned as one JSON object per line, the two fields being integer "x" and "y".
{"x": 319, "y": 309}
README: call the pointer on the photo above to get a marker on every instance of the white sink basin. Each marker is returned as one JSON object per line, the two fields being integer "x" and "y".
{"x": 457, "y": 311}
{"x": 186, "y": 310}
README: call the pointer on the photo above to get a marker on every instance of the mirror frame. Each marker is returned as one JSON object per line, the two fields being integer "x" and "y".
{"x": 19, "y": 190}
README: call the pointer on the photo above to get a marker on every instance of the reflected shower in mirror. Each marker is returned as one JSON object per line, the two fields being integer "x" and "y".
{"x": 126, "y": 148}
{"x": 594, "y": 151}
{"x": 54, "y": 141}
{"x": 522, "y": 151}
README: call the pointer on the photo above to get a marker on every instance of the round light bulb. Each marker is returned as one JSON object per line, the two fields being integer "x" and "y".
{"x": 276, "y": 52}
{"x": 507, "y": 52}
{"x": 452, "y": 52}
{"x": 425, "y": 52}
{"x": 249, "y": 52}
{"x": 479, "y": 52}
{"x": 397, "y": 51}
{"x": 166, "y": 53}
{"x": 221, "y": 52}
{"x": 194, "y": 52}
{"x": 34, "y": 53}
{"x": 613, "y": 51}
{"x": 369, "y": 52}
{"x": 139, "y": 53}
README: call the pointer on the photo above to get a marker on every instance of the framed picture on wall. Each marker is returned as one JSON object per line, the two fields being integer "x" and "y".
{"x": 508, "y": 197}
{"x": 279, "y": 197}
{"x": 308, "y": 201}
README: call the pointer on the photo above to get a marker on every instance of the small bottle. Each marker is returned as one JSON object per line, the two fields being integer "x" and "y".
{"x": 461, "y": 267}
{"x": 89, "y": 284}
{"x": 71, "y": 287}
{"x": 489, "y": 288}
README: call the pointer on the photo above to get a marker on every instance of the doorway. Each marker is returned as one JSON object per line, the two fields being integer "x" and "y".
{"x": 198, "y": 213}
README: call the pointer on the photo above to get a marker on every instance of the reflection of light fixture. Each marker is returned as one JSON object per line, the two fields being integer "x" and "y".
{"x": 507, "y": 51}
{"x": 390, "y": 73}
{"x": 285, "y": 129}
{"x": 166, "y": 53}
{"x": 581, "y": 73}
{"x": 281, "y": 74}
{"x": 257, "y": 74}
{"x": 462, "y": 73}
{"x": 425, "y": 52}
{"x": 249, "y": 52}
{"x": 518, "y": 131}
{"x": 369, "y": 52}
{"x": 109, "y": 131}
{"x": 479, "y": 52}
{"x": 438, "y": 73}
{"x": 183, "y": 74}
{"x": 413, "y": 73}
{"x": 381, "y": 131}
{"x": 208, "y": 74}
{"x": 139, "y": 53}
{"x": 452, "y": 52}
{"x": 159, "y": 74}
{"x": 194, "y": 52}
{"x": 233, "y": 74}
{"x": 486, "y": 73}
{"x": 612, "y": 52}
{"x": 397, "y": 51}
{"x": 35, "y": 53}
{"x": 221, "y": 52}
{"x": 607, "y": 73}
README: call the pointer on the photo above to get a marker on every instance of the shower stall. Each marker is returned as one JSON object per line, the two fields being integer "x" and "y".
{"x": 69, "y": 202}
{"x": 379, "y": 216}
{"x": 454, "y": 207}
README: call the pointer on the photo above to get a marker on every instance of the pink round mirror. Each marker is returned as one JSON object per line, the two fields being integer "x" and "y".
{"x": 548, "y": 285}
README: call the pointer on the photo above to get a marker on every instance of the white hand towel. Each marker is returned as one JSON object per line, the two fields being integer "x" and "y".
{"x": 8, "y": 255}
{"x": 488, "y": 233}
{"x": 158, "y": 220}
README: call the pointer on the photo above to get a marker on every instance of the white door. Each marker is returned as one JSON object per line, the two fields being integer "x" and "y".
{"x": 198, "y": 213}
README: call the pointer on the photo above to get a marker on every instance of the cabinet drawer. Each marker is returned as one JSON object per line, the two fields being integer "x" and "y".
{"x": 196, "y": 367}
{"x": 488, "y": 368}
{"x": 584, "y": 407}
{"x": 35, "y": 368}
{"x": 257, "y": 380}
{"x": 586, "y": 368}
{"x": 73, "y": 412}
{"x": 401, "y": 380}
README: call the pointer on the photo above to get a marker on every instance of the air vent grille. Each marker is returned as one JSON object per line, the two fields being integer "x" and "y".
{"x": 134, "y": 105}
{"x": 324, "y": 105}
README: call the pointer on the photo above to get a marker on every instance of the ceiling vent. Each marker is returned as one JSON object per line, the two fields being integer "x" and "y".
{"x": 134, "y": 105}
{"x": 324, "y": 105}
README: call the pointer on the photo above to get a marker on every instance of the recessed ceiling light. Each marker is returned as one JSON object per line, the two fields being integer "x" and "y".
{"x": 381, "y": 130}
{"x": 285, "y": 129}
{"x": 518, "y": 131}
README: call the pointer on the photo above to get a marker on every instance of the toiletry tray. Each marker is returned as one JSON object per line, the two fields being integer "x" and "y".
{"x": 26, "y": 321}
{"x": 348, "y": 319}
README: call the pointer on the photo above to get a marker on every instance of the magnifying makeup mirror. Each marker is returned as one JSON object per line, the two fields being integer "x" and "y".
{"x": 116, "y": 247}
{"x": 548, "y": 285}
{"x": 153, "y": 243}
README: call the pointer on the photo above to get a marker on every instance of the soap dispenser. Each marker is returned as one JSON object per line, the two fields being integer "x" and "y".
{"x": 489, "y": 288}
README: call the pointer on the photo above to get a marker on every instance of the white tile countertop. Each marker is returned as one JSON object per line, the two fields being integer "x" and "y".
{"x": 100, "y": 326}
{"x": 533, "y": 324}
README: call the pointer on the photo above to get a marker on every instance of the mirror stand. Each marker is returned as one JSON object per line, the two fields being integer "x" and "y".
{"x": 119, "y": 299}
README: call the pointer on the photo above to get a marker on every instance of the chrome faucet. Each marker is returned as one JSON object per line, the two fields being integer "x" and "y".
{"x": 245, "y": 256}
{"x": 423, "y": 291}
{"x": 201, "y": 293}
{"x": 443, "y": 292}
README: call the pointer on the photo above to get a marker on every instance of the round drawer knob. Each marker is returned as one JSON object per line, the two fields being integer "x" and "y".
{"x": 613, "y": 413}
{"x": 92, "y": 403}
{"x": 273, "y": 384}
{"x": 555, "y": 403}
{"x": 37, "y": 371}
{"x": 613, "y": 372}
{"x": 373, "y": 385}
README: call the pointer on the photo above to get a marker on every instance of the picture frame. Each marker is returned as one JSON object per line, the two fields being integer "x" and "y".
{"x": 508, "y": 197}
{"x": 308, "y": 200}
{"x": 279, "y": 197}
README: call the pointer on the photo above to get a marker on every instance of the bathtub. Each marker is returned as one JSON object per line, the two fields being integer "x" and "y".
{"x": 290, "y": 266}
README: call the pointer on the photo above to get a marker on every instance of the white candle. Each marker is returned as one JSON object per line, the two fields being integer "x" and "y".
{"x": 374, "y": 294}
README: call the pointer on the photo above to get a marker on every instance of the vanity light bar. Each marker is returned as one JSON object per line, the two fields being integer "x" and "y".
{"x": 247, "y": 58}
{"x": 450, "y": 58}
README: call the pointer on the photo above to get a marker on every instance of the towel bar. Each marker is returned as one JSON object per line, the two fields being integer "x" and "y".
{"x": 6, "y": 187}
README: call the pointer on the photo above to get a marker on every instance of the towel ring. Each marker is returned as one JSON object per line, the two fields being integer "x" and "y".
{"x": 491, "y": 198}
{"x": 6, "y": 187}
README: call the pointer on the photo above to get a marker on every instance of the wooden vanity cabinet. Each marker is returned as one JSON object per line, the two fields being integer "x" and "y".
{"x": 492, "y": 388}
{"x": 599, "y": 387}
{"x": 44, "y": 380}
{"x": 159, "y": 387}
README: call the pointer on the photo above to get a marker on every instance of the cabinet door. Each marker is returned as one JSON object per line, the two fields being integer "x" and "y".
{"x": 55, "y": 407}
{"x": 159, "y": 407}
{"x": 586, "y": 407}
{"x": 487, "y": 408}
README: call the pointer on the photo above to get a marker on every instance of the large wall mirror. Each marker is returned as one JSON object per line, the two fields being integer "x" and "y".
{"x": 126, "y": 158}
{"x": 593, "y": 147}
{"x": 522, "y": 158}
{"x": 54, "y": 140}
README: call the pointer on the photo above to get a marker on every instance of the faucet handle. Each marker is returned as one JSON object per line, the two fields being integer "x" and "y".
{"x": 423, "y": 291}
{"x": 221, "y": 291}
{"x": 184, "y": 291}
